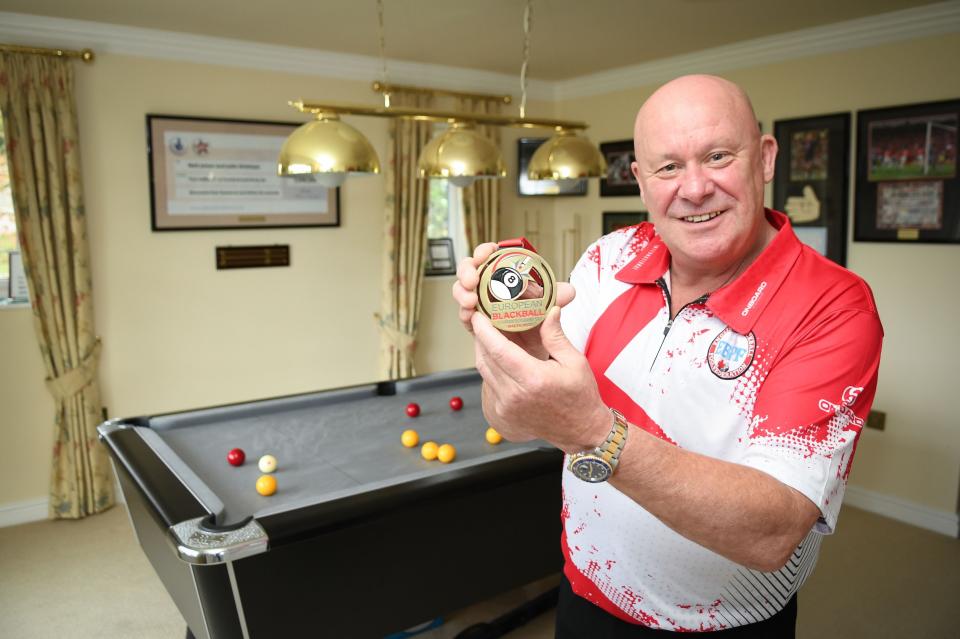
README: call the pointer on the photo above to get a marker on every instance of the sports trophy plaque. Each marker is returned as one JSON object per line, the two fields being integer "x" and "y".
{"x": 517, "y": 287}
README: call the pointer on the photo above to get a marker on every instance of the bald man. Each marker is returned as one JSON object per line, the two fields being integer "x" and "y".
{"x": 707, "y": 378}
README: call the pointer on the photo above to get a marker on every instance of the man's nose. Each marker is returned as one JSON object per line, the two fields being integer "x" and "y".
{"x": 695, "y": 185}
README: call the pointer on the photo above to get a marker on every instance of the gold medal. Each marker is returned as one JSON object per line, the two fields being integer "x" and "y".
{"x": 517, "y": 288}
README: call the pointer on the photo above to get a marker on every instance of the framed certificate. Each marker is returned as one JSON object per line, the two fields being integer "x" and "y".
{"x": 208, "y": 173}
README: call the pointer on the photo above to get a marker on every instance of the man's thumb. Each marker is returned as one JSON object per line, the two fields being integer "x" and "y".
{"x": 553, "y": 337}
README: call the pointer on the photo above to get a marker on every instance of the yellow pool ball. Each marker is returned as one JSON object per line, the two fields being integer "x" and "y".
{"x": 447, "y": 453}
{"x": 409, "y": 438}
{"x": 267, "y": 485}
{"x": 429, "y": 451}
{"x": 493, "y": 437}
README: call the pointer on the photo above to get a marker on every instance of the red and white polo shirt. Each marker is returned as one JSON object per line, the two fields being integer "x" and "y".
{"x": 776, "y": 371}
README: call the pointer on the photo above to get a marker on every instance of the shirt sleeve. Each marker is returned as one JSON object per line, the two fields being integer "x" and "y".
{"x": 811, "y": 408}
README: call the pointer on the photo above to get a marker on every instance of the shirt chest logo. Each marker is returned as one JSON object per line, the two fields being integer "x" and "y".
{"x": 730, "y": 354}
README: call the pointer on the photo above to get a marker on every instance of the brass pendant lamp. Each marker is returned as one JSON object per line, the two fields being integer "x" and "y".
{"x": 329, "y": 149}
{"x": 461, "y": 155}
{"x": 566, "y": 156}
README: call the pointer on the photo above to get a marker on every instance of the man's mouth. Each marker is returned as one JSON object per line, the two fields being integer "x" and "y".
{"x": 696, "y": 219}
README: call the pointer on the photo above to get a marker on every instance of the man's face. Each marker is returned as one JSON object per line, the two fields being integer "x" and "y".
{"x": 701, "y": 166}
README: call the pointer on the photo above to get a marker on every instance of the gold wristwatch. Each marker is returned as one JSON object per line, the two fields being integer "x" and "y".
{"x": 597, "y": 465}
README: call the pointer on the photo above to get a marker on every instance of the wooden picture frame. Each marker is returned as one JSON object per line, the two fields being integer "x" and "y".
{"x": 908, "y": 187}
{"x": 531, "y": 188}
{"x": 614, "y": 220}
{"x": 212, "y": 174}
{"x": 619, "y": 180}
{"x": 812, "y": 180}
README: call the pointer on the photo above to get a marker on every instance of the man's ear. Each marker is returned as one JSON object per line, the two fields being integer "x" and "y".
{"x": 768, "y": 156}
{"x": 636, "y": 176}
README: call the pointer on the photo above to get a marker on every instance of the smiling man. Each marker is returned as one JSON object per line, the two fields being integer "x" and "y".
{"x": 708, "y": 378}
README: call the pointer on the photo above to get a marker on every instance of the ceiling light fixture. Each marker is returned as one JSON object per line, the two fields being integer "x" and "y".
{"x": 461, "y": 155}
{"x": 332, "y": 150}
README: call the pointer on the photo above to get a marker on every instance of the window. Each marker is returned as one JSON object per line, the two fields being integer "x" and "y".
{"x": 445, "y": 216}
{"x": 8, "y": 225}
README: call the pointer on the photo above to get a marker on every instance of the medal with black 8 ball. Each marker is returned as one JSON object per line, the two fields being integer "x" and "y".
{"x": 510, "y": 280}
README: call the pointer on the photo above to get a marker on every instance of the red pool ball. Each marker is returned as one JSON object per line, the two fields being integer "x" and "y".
{"x": 456, "y": 403}
{"x": 236, "y": 457}
{"x": 413, "y": 409}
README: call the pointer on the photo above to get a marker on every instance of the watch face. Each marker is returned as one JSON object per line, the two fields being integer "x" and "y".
{"x": 591, "y": 469}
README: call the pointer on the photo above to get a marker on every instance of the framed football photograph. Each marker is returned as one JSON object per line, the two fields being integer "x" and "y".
{"x": 908, "y": 189}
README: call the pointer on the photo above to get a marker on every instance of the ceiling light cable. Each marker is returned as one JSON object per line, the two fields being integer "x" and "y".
{"x": 383, "y": 57}
{"x": 527, "y": 14}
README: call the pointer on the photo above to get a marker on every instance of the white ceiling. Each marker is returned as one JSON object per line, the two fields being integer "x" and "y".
{"x": 569, "y": 38}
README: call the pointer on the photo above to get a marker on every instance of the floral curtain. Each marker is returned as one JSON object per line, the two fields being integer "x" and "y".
{"x": 481, "y": 200}
{"x": 405, "y": 240}
{"x": 39, "y": 110}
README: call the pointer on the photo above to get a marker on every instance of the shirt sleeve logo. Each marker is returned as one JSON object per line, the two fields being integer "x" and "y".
{"x": 731, "y": 354}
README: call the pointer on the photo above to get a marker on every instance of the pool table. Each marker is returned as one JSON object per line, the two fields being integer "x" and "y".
{"x": 363, "y": 537}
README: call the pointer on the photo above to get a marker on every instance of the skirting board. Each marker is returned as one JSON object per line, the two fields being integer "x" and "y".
{"x": 945, "y": 523}
{"x": 909, "y": 512}
{"x": 25, "y": 512}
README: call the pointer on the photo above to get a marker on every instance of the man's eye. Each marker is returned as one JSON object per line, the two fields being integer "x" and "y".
{"x": 669, "y": 168}
{"x": 718, "y": 156}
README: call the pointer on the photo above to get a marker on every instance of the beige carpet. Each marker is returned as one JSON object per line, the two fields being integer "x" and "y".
{"x": 877, "y": 578}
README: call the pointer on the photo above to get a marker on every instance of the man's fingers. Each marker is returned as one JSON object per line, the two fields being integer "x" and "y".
{"x": 565, "y": 293}
{"x": 467, "y": 275}
{"x": 464, "y": 297}
{"x": 554, "y": 339}
{"x": 500, "y": 352}
{"x": 487, "y": 364}
{"x": 483, "y": 251}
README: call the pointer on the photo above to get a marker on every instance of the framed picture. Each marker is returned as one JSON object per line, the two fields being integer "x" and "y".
{"x": 615, "y": 220}
{"x": 17, "y": 289}
{"x": 207, "y": 173}
{"x": 528, "y": 187}
{"x": 907, "y": 184}
{"x": 440, "y": 259}
{"x": 619, "y": 181}
{"x": 812, "y": 180}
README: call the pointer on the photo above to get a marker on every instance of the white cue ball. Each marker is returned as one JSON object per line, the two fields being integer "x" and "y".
{"x": 267, "y": 464}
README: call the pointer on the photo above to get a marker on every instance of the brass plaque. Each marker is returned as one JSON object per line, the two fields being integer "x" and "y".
{"x": 517, "y": 288}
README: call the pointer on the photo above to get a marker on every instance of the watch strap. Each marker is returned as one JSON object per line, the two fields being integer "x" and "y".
{"x": 612, "y": 446}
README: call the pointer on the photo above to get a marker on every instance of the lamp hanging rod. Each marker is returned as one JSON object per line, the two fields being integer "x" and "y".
{"x": 85, "y": 54}
{"x": 381, "y": 87}
{"x": 432, "y": 115}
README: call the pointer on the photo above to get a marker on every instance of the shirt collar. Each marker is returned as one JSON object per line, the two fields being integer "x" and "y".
{"x": 742, "y": 301}
{"x": 650, "y": 263}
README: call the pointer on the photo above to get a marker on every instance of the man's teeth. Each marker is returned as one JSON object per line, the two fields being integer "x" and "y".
{"x": 702, "y": 218}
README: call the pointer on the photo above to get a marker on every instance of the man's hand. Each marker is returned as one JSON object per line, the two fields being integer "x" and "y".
{"x": 465, "y": 294}
{"x": 525, "y": 397}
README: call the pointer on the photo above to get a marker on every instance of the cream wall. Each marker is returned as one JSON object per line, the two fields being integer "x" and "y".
{"x": 917, "y": 457}
{"x": 179, "y": 334}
